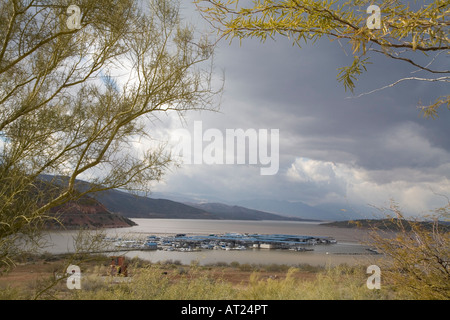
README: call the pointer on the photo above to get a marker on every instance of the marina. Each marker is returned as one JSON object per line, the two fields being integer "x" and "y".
{"x": 227, "y": 241}
{"x": 217, "y": 241}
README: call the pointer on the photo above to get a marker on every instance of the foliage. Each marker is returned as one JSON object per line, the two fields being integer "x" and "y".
{"x": 160, "y": 281}
{"x": 150, "y": 283}
{"x": 80, "y": 102}
{"x": 408, "y": 33}
{"x": 340, "y": 282}
{"x": 417, "y": 263}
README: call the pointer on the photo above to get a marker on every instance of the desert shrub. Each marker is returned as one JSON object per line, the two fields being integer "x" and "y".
{"x": 9, "y": 293}
{"x": 195, "y": 263}
{"x": 245, "y": 267}
{"x": 335, "y": 283}
{"x": 150, "y": 284}
{"x": 137, "y": 262}
{"x": 221, "y": 264}
{"x": 309, "y": 268}
{"x": 417, "y": 264}
{"x": 273, "y": 267}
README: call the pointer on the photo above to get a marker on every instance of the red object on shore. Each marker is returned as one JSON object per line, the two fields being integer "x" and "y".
{"x": 119, "y": 266}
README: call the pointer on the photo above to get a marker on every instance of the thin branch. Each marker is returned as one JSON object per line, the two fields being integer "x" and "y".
{"x": 441, "y": 79}
{"x": 432, "y": 60}
{"x": 411, "y": 62}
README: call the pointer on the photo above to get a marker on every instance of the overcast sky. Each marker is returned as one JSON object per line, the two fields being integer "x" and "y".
{"x": 334, "y": 147}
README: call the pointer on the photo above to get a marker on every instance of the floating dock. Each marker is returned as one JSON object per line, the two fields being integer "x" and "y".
{"x": 227, "y": 241}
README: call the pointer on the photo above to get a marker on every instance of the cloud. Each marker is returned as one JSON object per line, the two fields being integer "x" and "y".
{"x": 308, "y": 170}
{"x": 334, "y": 147}
{"x": 403, "y": 145}
{"x": 358, "y": 186}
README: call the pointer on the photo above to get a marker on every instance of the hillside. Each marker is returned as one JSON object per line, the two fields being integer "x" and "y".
{"x": 133, "y": 206}
{"x": 385, "y": 224}
{"x": 81, "y": 212}
{"x": 239, "y": 213}
{"x": 88, "y": 213}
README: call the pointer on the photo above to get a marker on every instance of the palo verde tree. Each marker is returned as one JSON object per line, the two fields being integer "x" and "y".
{"x": 80, "y": 84}
{"x": 407, "y": 32}
{"x": 416, "y": 263}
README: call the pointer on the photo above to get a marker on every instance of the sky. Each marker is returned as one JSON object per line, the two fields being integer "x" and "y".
{"x": 334, "y": 147}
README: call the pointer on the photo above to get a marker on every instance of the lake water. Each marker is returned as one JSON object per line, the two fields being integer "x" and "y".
{"x": 348, "y": 249}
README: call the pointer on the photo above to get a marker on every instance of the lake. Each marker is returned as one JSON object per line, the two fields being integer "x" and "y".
{"x": 348, "y": 248}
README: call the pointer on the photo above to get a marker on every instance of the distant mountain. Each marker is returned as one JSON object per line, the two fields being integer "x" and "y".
{"x": 185, "y": 198}
{"x": 330, "y": 212}
{"x": 280, "y": 208}
{"x": 133, "y": 206}
{"x": 239, "y": 213}
{"x": 295, "y": 209}
{"x": 391, "y": 224}
{"x": 176, "y": 206}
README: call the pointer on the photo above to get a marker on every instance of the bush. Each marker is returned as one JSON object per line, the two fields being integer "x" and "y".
{"x": 150, "y": 284}
{"x": 245, "y": 267}
{"x": 417, "y": 263}
{"x": 335, "y": 283}
{"x": 277, "y": 267}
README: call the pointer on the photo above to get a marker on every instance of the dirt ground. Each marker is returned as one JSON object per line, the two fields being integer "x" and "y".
{"x": 25, "y": 275}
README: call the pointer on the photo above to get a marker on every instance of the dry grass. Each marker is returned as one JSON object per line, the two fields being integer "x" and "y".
{"x": 175, "y": 281}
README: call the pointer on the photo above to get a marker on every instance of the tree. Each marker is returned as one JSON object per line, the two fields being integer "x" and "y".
{"x": 416, "y": 263}
{"x": 404, "y": 34}
{"x": 79, "y": 88}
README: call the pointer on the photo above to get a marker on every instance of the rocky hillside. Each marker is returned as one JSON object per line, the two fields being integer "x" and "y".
{"x": 86, "y": 213}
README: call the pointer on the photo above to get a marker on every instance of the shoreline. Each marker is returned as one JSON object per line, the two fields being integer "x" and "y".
{"x": 208, "y": 226}
{"x": 350, "y": 247}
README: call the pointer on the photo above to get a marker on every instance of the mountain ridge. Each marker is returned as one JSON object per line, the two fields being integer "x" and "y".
{"x": 235, "y": 212}
{"x": 82, "y": 211}
{"x": 175, "y": 206}
{"x": 135, "y": 206}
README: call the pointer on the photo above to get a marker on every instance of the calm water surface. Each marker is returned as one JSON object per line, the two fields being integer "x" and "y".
{"x": 347, "y": 250}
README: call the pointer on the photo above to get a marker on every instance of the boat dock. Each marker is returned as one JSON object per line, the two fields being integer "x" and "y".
{"x": 227, "y": 241}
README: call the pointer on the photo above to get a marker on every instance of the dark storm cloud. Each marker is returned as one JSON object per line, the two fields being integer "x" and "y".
{"x": 297, "y": 91}
{"x": 332, "y": 143}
